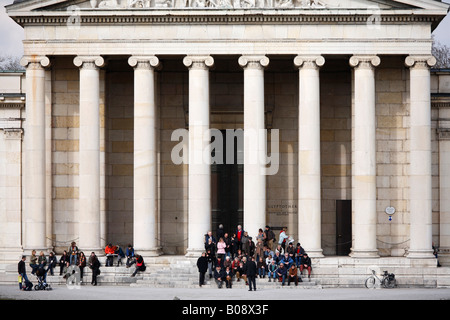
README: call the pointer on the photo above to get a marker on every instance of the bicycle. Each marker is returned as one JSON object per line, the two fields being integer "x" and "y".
{"x": 388, "y": 281}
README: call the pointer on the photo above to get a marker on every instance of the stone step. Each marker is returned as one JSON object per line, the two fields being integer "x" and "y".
{"x": 210, "y": 283}
{"x": 179, "y": 271}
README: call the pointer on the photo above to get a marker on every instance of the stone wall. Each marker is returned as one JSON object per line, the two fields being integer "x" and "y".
{"x": 64, "y": 157}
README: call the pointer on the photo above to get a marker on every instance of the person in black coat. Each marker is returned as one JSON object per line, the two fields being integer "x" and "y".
{"x": 63, "y": 262}
{"x": 251, "y": 274}
{"x": 21, "y": 269}
{"x": 219, "y": 276}
{"x": 94, "y": 265}
{"x": 52, "y": 261}
{"x": 202, "y": 265}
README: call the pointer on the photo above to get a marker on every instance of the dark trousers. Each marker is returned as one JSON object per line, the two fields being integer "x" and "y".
{"x": 201, "y": 280}
{"x": 251, "y": 280}
{"x": 295, "y": 279}
{"x": 94, "y": 276}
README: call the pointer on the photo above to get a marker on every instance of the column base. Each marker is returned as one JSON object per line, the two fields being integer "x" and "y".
{"x": 99, "y": 252}
{"x": 194, "y": 252}
{"x": 315, "y": 253}
{"x": 27, "y": 252}
{"x": 149, "y": 252}
{"x": 364, "y": 254}
{"x": 11, "y": 255}
{"x": 420, "y": 254}
{"x": 444, "y": 259}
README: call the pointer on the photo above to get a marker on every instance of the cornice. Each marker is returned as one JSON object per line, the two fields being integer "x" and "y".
{"x": 220, "y": 17}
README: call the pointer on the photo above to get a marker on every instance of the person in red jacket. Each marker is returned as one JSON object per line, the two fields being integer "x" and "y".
{"x": 109, "y": 251}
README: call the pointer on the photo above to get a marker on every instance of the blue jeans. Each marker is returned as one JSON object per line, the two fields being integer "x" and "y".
{"x": 272, "y": 274}
{"x": 283, "y": 278}
{"x": 262, "y": 272}
{"x": 24, "y": 280}
{"x": 74, "y": 258}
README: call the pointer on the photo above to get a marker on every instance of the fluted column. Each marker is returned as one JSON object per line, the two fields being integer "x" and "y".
{"x": 420, "y": 195}
{"x": 145, "y": 165}
{"x": 309, "y": 186}
{"x": 199, "y": 153}
{"x": 254, "y": 143}
{"x": 364, "y": 191}
{"x": 34, "y": 169}
{"x": 89, "y": 153}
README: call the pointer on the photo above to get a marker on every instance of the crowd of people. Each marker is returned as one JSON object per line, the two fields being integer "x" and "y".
{"x": 232, "y": 258}
{"x": 227, "y": 258}
{"x": 41, "y": 265}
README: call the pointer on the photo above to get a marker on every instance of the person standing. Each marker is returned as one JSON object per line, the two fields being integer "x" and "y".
{"x": 202, "y": 265}
{"x": 94, "y": 265}
{"x": 282, "y": 239}
{"x": 251, "y": 274}
{"x": 22, "y": 272}
{"x": 210, "y": 258}
{"x": 73, "y": 253}
{"x": 259, "y": 250}
{"x": 239, "y": 235}
{"x": 269, "y": 237}
{"x": 221, "y": 246}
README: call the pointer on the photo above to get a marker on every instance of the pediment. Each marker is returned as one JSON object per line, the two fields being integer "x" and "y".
{"x": 58, "y": 5}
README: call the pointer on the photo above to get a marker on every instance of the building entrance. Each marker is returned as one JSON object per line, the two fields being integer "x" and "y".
{"x": 227, "y": 182}
{"x": 343, "y": 227}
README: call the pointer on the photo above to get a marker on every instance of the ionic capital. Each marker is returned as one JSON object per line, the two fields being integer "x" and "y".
{"x": 198, "y": 62}
{"x": 35, "y": 62}
{"x": 364, "y": 61}
{"x": 310, "y": 62}
{"x": 144, "y": 62}
{"x": 422, "y": 62}
{"x": 89, "y": 62}
{"x": 253, "y": 62}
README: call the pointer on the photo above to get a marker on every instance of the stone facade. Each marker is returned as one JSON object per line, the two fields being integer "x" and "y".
{"x": 110, "y": 97}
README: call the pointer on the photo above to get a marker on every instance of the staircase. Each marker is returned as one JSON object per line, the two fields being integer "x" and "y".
{"x": 169, "y": 271}
{"x": 116, "y": 275}
{"x": 182, "y": 272}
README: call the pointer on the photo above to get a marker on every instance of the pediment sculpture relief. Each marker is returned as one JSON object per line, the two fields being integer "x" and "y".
{"x": 218, "y": 4}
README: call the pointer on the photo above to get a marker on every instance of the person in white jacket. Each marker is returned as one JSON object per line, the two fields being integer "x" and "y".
{"x": 283, "y": 237}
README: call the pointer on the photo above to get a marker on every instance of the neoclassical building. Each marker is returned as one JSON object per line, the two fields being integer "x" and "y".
{"x": 343, "y": 142}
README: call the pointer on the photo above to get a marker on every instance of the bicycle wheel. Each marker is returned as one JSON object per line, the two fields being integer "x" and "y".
{"x": 370, "y": 282}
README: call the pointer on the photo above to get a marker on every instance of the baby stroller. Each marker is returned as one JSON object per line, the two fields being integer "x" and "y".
{"x": 27, "y": 285}
{"x": 41, "y": 276}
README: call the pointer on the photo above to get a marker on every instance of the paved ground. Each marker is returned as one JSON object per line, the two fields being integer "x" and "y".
{"x": 88, "y": 292}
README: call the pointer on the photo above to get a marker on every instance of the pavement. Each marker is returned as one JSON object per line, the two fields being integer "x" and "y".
{"x": 88, "y": 292}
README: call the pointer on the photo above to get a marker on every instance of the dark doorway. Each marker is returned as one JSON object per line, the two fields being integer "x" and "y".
{"x": 227, "y": 189}
{"x": 343, "y": 227}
